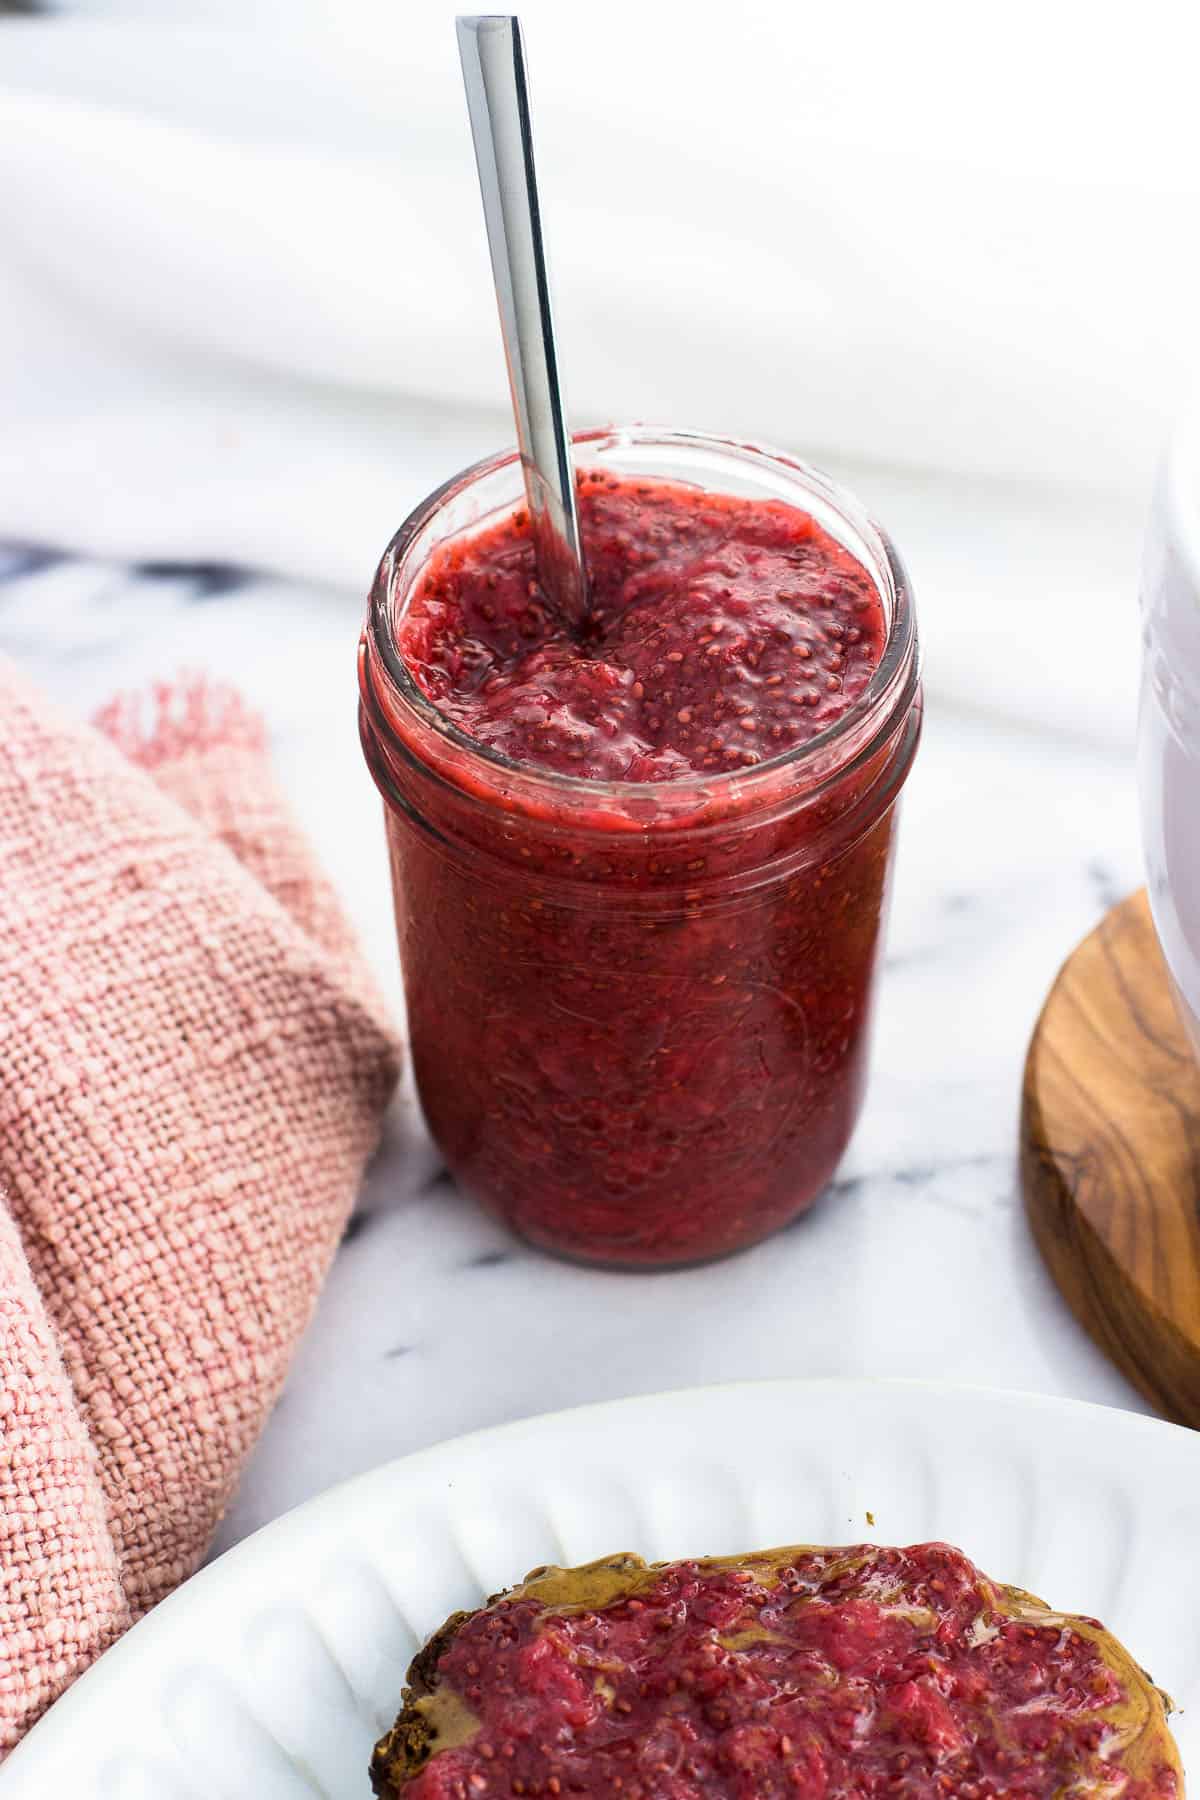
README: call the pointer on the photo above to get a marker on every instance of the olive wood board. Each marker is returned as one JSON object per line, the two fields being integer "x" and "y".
{"x": 1110, "y": 1157}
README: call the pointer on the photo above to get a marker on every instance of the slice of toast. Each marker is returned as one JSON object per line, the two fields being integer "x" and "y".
{"x": 796, "y": 1672}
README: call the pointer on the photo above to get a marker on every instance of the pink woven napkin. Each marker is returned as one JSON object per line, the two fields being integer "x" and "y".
{"x": 193, "y": 1070}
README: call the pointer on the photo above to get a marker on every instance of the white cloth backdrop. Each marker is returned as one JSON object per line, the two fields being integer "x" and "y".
{"x": 245, "y": 311}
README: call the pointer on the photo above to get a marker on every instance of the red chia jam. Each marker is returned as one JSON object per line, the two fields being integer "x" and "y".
{"x": 641, "y": 867}
{"x": 802, "y": 1673}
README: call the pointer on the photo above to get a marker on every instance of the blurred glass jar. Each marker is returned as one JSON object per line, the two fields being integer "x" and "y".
{"x": 1169, "y": 719}
{"x": 639, "y": 1012}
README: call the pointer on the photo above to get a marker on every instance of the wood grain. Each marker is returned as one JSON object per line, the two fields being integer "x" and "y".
{"x": 1110, "y": 1157}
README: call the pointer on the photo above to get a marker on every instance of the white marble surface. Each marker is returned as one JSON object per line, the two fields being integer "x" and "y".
{"x": 1019, "y": 828}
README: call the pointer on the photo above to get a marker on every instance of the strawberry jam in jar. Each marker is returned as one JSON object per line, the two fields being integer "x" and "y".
{"x": 641, "y": 867}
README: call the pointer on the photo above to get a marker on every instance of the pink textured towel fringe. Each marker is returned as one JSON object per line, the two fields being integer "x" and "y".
{"x": 193, "y": 1070}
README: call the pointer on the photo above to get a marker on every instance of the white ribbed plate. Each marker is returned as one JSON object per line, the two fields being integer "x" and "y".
{"x": 271, "y": 1673}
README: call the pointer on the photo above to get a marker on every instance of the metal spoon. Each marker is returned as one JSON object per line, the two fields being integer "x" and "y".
{"x": 493, "y": 63}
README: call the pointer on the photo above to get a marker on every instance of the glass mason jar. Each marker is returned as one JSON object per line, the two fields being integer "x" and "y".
{"x": 1169, "y": 719}
{"x": 639, "y": 1010}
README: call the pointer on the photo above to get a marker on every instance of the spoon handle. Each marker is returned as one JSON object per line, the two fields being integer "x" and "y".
{"x": 493, "y": 62}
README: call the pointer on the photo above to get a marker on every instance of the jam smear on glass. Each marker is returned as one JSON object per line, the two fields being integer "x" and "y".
{"x": 640, "y": 873}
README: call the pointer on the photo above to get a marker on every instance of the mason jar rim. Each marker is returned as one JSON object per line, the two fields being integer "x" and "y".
{"x": 891, "y": 688}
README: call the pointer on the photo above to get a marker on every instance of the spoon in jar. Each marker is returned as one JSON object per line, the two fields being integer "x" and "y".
{"x": 493, "y": 64}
